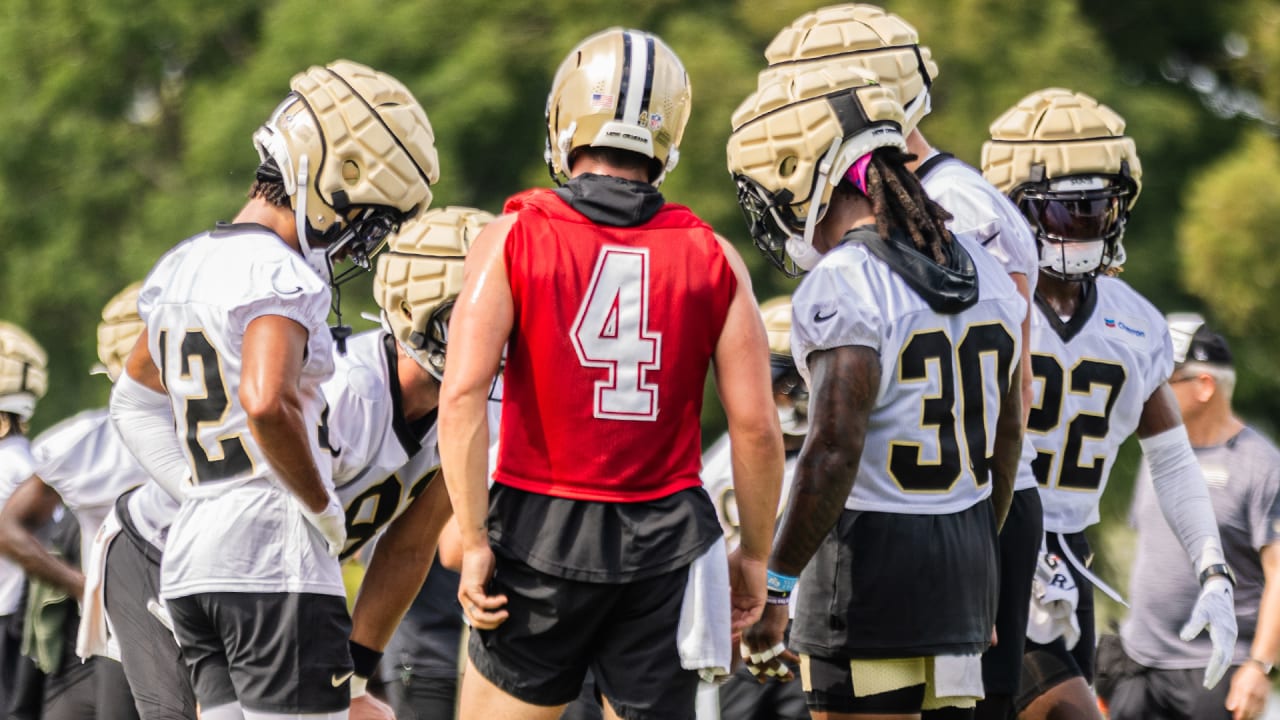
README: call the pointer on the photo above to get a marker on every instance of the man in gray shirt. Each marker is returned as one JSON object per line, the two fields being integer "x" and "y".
{"x": 1159, "y": 678}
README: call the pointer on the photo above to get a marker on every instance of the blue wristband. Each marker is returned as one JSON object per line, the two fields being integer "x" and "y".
{"x": 781, "y": 583}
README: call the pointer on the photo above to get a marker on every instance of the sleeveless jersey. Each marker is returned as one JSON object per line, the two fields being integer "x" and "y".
{"x": 86, "y": 462}
{"x": 238, "y": 530}
{"x": 16, "y": 465}
{"x": 980, "y": 210}
{"x": 942, "y": 376}
{"x": 613, "y": 332}
{"x": 1092, "y": 377}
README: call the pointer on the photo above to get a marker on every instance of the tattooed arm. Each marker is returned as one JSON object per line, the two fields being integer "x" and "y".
{"x": 845, "y": 382}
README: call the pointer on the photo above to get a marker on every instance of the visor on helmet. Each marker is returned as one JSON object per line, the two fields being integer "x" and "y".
{"x": 1078, "y": 222}
{"x": 1060, "y": 217}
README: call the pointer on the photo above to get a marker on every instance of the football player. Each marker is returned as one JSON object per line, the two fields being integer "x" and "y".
{"x": 614, "y": 303}
{"x": 1100, "y": 356}
{"x": 235, "y": 350}
{"x": 908, "y": 338}
{"x": 81, "y": 463}
{"x": 381, "y": 410}
{"x": 742, "y": 697}
{"x": 23, "y": 381}
{"x": 883, "y": 43}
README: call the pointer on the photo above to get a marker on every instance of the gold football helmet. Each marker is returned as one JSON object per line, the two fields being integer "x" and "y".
{"x": 118, "y": 332}
{"x": 23, "y": 372}
{"x": 879, "y": 42}
{"x": 792, "y": 415}
{"x": 1064, "y": 159}
{"x": 793, "y": 141}
{"x": 420, "y": 275}
{"x": 621, "y": 89}
{"x": 357, "y": 156}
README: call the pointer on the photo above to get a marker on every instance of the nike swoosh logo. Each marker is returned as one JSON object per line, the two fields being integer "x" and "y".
{"x": 337, "y": 680}
{"x": 819, "y": 317}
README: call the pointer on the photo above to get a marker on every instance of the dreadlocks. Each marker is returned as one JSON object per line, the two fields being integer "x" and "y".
{"x": 899, "y": 201}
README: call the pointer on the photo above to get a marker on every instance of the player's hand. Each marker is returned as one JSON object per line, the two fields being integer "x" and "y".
{"x": 483, "y": 611}
{"x": 1216, "y": 610}
{"x": 762, "y": 647}
{"x": 368, "y": 707}
{"x": 747, "y": 589}
{"x": 331, "y": 522}
{"x": 1247, "y": 698}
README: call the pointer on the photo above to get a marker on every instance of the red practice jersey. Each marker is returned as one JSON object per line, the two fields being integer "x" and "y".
{"x": 613, "y": 332}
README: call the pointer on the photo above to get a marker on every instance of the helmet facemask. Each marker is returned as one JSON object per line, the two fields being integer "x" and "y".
{"x": 1078, "y": 221}
{"x": 429, "y": 345}
{"x": 794, "y": 416}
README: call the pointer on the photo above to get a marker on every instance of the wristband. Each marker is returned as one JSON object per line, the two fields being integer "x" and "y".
{"x": 780, "y": 582}
{"x": 778, "y": 599}
{"x": 1218, "y": 569}
{"x": 364, "y": 660}
{"x": 359, "y": 686}
{"x": 1266, "y": 667}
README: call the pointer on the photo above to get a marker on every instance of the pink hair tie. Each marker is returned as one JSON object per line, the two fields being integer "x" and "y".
{"x": 857, "y": 173}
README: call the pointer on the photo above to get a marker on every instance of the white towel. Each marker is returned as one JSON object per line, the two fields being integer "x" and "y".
{"x": 957, "y": 676}
{"x": 94, "y": 636}
{"x": 1054, "y": 596}
{"x": 704, "y": 638}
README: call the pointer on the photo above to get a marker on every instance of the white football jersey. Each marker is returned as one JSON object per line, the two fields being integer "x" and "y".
{"x": 380, "y": 462}
{"x": 717, "y": 480}
{"x": 942, "y": 377}
{"x": 980, "y": 210}
{"x": 1092, "y": 377}
{"x": 152, "y": 510}
{"x": 16, "y": 465}
{"x": 86, "y": 462}
{"x": 238, "y": 530}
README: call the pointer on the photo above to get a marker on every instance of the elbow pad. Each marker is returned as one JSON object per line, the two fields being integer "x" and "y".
{"x": 1184, "y": 498}
{"x": 144, "y": 420}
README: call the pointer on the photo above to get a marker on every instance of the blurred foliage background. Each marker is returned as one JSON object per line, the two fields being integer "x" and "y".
{"x": 126, "y": 127}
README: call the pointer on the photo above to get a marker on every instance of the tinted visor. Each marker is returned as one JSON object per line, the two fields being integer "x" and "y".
{"x": 1077, "y": 216}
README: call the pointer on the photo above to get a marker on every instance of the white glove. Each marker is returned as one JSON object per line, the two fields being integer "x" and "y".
{"x": 331, "y": 522}
{"x": 1215, "y": 609}
{"x": 1054, "y": 597}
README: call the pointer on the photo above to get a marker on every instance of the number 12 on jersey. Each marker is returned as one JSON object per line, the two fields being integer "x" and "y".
{"x": 611, "y": 331}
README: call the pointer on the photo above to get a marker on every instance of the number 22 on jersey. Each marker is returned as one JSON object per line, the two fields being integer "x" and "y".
{"x": 199, "y": 367}
{"x": 612, "y": 332}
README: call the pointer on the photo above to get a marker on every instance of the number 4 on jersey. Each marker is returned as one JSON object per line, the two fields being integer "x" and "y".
{"x": 611, "y": 331}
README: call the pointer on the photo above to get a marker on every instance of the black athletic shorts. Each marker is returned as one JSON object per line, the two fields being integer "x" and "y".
{"x": 557, "y": 629}
{"x": 274, "y": 652}
{"x": 1019, "y": 549}
{"x": 1045, "y": 666}
{"x": 153, "y": 664}
{"x": 889, "y": 585}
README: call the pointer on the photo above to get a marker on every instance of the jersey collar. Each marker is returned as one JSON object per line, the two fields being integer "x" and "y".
{"x": 1071, "y": 328}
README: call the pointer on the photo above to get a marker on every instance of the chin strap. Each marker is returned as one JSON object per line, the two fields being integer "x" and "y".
{"x": 340, "y": 332}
